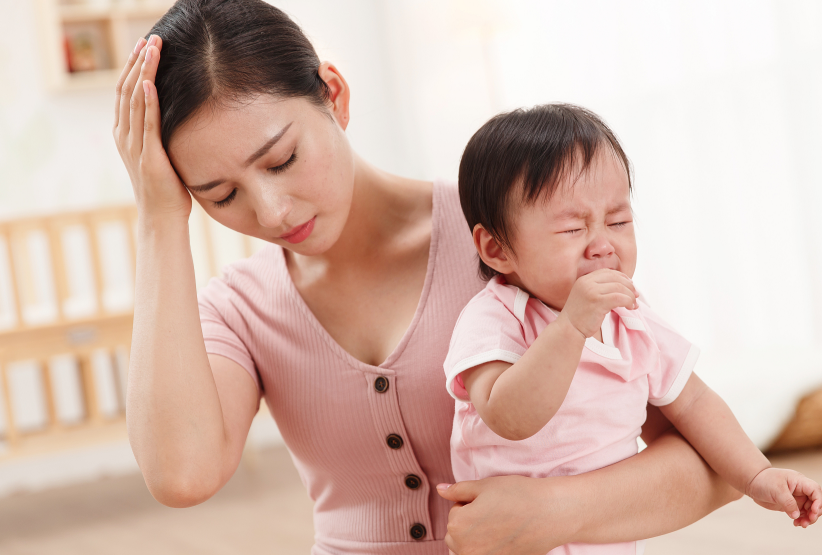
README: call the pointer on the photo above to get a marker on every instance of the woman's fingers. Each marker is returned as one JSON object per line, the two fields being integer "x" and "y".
{"x": 461, "y": 492}
{"x": 141, "y": 42}
{"x": 151, "y": 126}
{"x": 148, "y": 71}
{"x": 126, "y": 92}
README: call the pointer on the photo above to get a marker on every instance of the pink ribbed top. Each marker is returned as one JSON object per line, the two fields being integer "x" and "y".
{"x": 328, "y": 405}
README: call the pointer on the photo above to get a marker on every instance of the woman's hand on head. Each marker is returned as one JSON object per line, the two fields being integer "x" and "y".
{"x": 157, "y": 188}
{"x": 507, "y": 514}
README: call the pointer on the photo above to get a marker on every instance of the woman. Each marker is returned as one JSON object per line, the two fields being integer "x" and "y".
{"x": 342, "y": 323}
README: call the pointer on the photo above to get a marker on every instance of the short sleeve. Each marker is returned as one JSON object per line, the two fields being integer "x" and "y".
{"x": 486, "y": 331}
{"x": 220, "y": 320}
{"x": 677, "y": 359}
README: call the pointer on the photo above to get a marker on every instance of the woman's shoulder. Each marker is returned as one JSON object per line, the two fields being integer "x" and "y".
{"x": 456, "y": 255}
{"x": 447, "y": 198}
{"x": 252, "y": 278}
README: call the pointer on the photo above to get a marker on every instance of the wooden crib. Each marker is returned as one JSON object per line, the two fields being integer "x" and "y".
{"x": 100, "y": 332}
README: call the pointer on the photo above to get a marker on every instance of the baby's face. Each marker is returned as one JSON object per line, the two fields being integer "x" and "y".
{"x": 587, "y": 225}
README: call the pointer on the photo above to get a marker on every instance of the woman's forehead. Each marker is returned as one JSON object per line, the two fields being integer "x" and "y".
{"x": 228, "y": 133}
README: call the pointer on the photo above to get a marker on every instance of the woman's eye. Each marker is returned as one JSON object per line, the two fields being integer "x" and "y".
{"x": 284, "y": 166}
{"x": 620, "y": 224}
{"x": 572, "y": 231}
{"x": 227, "y": 200}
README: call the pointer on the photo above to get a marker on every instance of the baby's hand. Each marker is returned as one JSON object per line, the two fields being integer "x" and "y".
{"x": 596, "y": 294}
{"x": 779, "y": 489}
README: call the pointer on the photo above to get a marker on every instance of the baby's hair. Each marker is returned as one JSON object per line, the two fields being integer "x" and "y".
{"x": 534, "y": 149}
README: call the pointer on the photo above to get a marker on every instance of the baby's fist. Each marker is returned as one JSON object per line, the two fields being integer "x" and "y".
{"x": 779, "y": 489}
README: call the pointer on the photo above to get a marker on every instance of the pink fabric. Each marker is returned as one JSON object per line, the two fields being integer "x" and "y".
{"x": 641, "y": 360}
{"x": 333, "y": 420}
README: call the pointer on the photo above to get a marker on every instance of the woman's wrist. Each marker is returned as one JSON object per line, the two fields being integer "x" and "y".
{"x": 559, "y": 500}
{"x": 154, "y": 226}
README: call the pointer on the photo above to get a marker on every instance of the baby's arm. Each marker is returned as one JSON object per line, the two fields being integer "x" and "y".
{"x": 517, "y": 400}
{"x": 710, "y": 426}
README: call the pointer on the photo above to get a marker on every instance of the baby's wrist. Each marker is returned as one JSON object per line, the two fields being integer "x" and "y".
{"x": 753, "y": 478}
{"x": 564, "y": 320}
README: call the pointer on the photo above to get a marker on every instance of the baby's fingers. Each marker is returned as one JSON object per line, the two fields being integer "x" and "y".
{"x": 813, "y": 504}
{"x": 786, "y": 502}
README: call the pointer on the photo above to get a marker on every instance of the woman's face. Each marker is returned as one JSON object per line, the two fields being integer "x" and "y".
{"x": 280, "y": 169}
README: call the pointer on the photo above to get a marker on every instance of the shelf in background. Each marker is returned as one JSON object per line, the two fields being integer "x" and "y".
{"x": 93, "y": 38}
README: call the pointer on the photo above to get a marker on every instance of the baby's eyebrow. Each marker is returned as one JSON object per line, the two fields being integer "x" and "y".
{"x": 621, "y": 207}
{"x": 571, "y": 214}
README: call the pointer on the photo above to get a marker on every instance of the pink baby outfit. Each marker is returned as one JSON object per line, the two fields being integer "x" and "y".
{"x": 641, "y": 360}
{"x": 370, "y": 442}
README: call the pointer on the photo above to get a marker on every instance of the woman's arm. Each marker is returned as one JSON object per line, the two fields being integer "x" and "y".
{"x": 187, "y": 425}
{"x": 664, "y": 488}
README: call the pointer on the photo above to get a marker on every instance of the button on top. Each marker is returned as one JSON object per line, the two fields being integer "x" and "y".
{"x": 394, "y": 441}
{"x": 381, "y": 384}
{"x": 418, "y": 531}
{"x": 412, "y": 481}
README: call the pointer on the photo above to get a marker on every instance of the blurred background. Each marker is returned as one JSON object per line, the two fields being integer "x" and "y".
{"x": 718, "y": 104}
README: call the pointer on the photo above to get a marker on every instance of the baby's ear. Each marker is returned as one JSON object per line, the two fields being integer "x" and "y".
{"x": 491, "y": 252}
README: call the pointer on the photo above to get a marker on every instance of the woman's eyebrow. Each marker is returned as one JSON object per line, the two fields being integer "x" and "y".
{"x": 265, "y": 148}
{"x": 251, "y": 159}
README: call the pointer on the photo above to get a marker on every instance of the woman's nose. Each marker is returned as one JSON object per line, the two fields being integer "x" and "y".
{"x": 272, "y": 211}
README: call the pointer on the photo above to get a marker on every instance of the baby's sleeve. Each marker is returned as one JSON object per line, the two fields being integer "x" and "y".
{"x": 222, "y": 324}
{"x": 677, "y": 358}
{"x": 486, "y": 331}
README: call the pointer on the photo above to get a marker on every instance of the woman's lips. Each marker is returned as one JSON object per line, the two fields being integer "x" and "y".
{"x": 299, "y": 233}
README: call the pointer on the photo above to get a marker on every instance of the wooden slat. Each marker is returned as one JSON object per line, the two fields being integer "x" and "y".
{"x": 97, "y": 263}
{"x": 15, "y": 289}
{"x": 11, "y": 430}
{"x": 48, "y": 393}
{"x": 58, "y": 268}
{"x": 209, "y": 242}
{"x": 248, "y": 245}
{"x": 22, "y": 263}
{"x": 89, "y": 390}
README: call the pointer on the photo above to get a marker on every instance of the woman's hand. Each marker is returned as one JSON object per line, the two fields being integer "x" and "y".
{"x": 157, "y": 188}
{"x": 508, "y": 514}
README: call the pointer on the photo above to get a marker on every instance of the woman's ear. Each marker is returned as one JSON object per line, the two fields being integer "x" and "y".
{"x": 340, "y": 94}
{"x": 491, "y": 252}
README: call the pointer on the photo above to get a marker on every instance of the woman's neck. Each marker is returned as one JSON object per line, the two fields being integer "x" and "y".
{"x": 383, "y": 207}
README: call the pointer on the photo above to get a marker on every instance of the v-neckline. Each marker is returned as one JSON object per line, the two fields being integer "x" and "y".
{"x": 409, "y": 332}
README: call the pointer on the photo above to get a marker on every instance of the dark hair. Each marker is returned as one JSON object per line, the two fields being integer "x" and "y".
{"x": 218, "y": 49}
{"x": 537, "y": 148}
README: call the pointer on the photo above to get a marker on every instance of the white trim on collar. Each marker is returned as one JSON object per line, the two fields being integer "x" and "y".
{"x": 520, "y": 303}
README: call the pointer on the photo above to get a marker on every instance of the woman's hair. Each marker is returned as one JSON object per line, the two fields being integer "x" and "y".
{"x": 530, "y": 150}
{"x": 217, "y": 50}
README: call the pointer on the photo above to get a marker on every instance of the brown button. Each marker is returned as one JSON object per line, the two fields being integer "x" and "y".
{"x": 381, "y": 384}
{"x": 418, "y": 531}
{"x": 394, "y": 441}
{"x": 412, "y": 481}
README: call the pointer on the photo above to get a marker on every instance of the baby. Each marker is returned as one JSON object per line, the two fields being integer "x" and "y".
{"x": 553, "y": 363}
